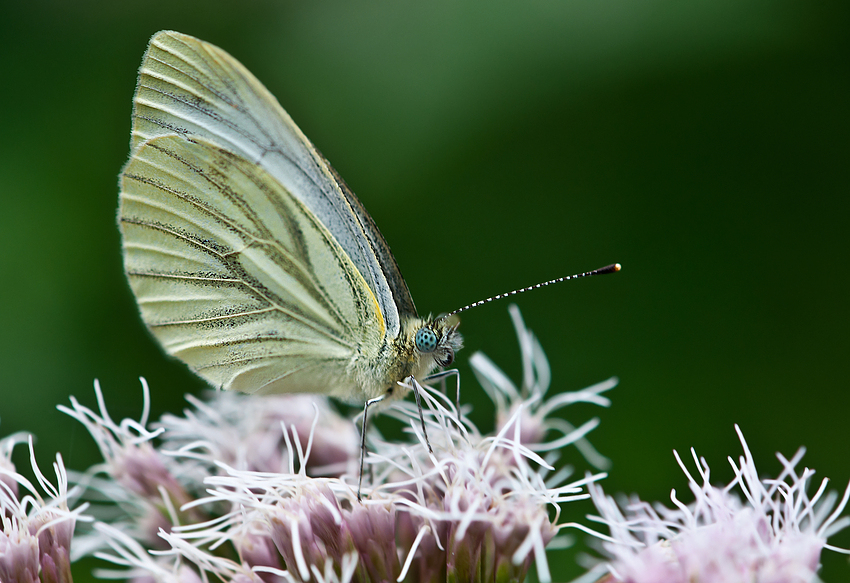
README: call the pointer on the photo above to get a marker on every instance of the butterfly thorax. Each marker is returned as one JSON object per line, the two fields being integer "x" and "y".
{"x": 421, "y": 346}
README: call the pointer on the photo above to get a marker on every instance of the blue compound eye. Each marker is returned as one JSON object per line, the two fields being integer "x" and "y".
{"x": 426, "y": 340}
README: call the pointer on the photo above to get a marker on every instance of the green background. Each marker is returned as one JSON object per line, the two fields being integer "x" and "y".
{"x": 703, "y": 145}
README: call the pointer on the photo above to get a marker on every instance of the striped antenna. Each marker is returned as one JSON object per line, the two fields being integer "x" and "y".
{"x": 613, "y": 268}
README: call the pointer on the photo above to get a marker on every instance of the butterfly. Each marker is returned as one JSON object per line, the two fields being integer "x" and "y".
{"x": 250, "y": 259}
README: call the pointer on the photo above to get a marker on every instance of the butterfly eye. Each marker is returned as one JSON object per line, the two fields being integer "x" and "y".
{"x": 426, "y": 340}
{"x": 447, "y": 359}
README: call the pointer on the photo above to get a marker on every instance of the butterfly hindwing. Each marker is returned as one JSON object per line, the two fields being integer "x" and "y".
{"x": 236, "y": 277}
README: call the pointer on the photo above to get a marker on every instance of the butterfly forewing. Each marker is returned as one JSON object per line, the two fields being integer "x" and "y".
{"x": 192, "y": 89}
{"x": 236, "y": 277}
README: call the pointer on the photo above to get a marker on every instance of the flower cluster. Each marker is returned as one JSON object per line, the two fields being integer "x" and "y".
{"x": 247, "y": 488}
{"x": 772, "y": 532}
{"x": 35, "y": 540}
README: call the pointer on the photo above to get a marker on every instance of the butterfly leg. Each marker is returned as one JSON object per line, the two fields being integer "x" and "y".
{"x": 363, "y": 439}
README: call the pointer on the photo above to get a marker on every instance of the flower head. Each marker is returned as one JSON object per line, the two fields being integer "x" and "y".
{"x": 245, "y": 432}
{"x": 139, "y": 479}
{"x": 478, "y": 509}
{"x": 773, "y": 531}
{"x": 272, "y": 488}
{"x": 527, "y": 406}
{"x": 37, "y": 525}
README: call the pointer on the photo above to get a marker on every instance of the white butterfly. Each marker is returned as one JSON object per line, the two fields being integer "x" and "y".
{"x": 250, "y": 259}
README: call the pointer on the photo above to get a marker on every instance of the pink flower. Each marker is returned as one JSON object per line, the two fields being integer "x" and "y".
{"x": 37, "y": 525}
{"x": 772, "y": 531}
{"x": 272, "y": 481}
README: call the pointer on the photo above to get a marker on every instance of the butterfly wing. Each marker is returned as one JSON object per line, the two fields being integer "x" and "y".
{"x": 236, "y": 277}
{"x": 194, "y": 89}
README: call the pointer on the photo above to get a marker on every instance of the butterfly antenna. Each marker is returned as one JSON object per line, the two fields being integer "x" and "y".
{"x": 613, "y": 268}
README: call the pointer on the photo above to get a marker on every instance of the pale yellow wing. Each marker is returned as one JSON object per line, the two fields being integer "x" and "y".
{"x": 237, "y": 277}
{"x": 191, "y": 88}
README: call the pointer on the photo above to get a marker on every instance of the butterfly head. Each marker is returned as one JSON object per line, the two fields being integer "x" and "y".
{"x": 438, "y": 339}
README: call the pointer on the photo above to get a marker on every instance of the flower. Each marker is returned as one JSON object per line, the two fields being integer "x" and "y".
{"x": 475, "y": 509}
{"x": 35, "y": 541}
{"x": 772, "y": 532}
{"x": 136, "y": 487}
{"x": 527, "y": 405}
{"x": 251, "y": 488}
{"x": 245, "y": 432}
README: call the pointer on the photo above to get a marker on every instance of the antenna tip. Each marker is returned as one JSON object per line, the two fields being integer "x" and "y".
{"x": 613, "y": 268}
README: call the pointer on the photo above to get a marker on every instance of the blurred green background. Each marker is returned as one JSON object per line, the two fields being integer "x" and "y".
{"x": 705, "y": 145}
